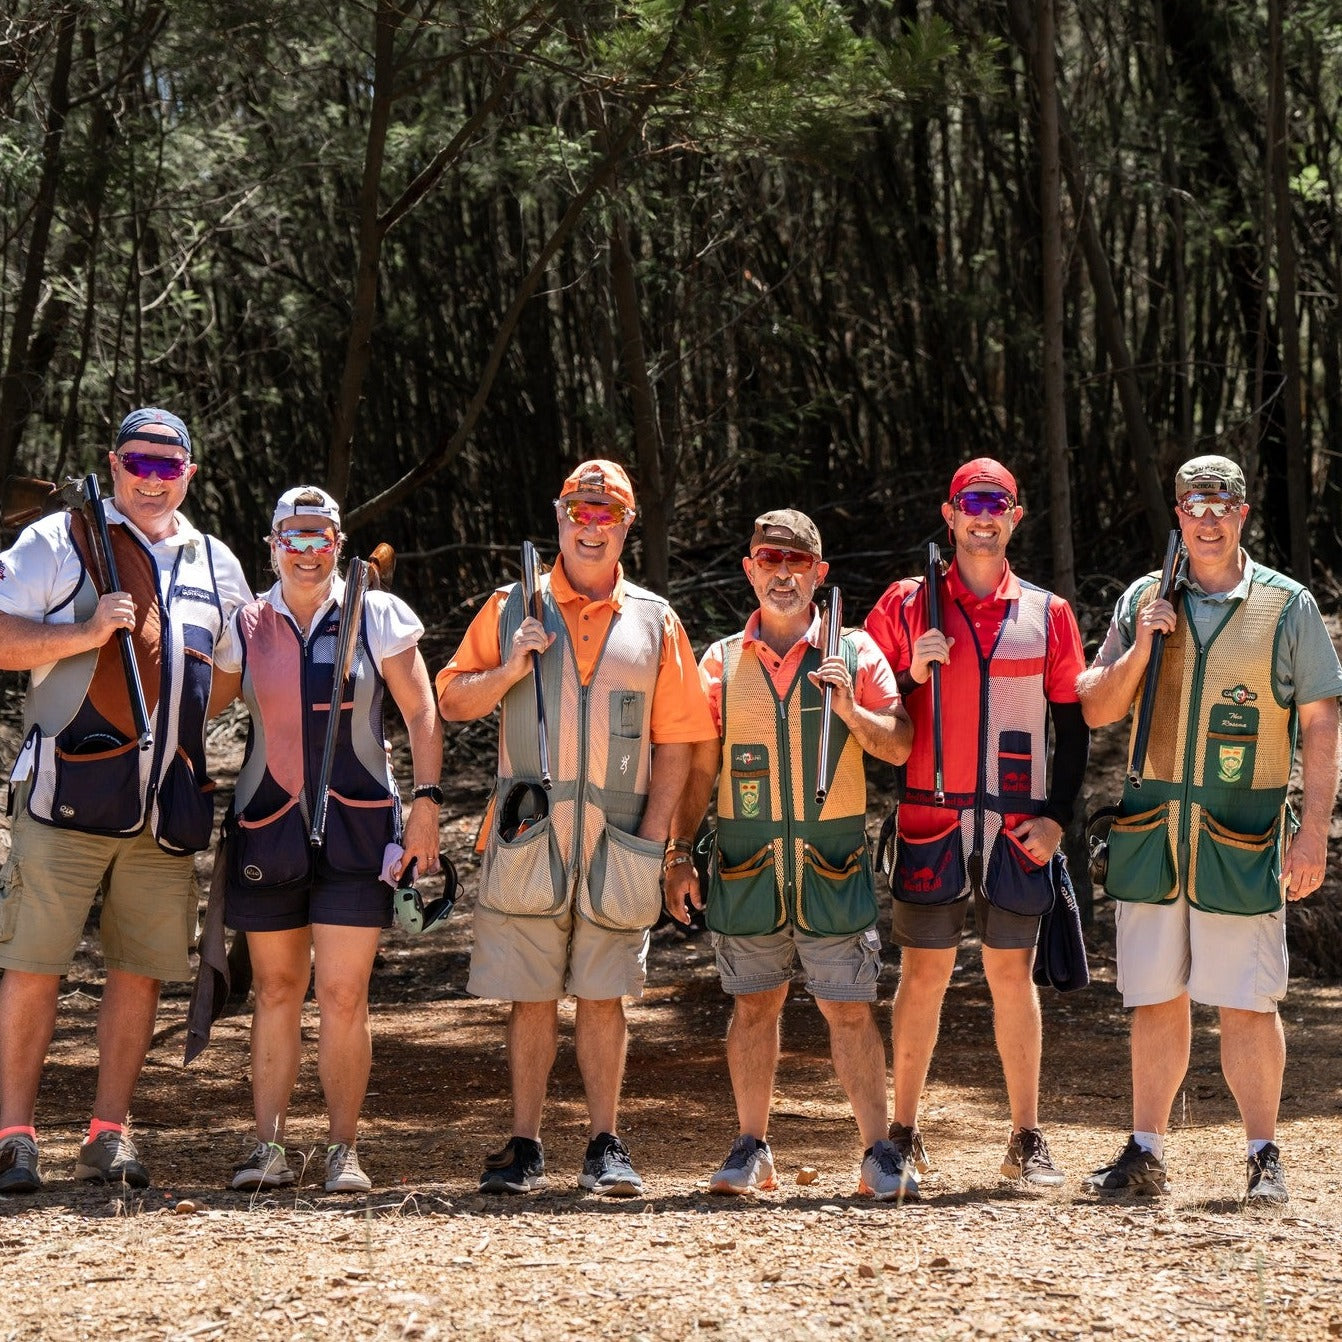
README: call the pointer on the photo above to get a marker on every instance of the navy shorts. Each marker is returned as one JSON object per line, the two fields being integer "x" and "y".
{"x": 358, "y": 902}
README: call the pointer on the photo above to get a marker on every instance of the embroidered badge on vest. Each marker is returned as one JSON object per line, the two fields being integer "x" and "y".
{"x": 1229, "y": 763}
{"x": 1239, "y": 694}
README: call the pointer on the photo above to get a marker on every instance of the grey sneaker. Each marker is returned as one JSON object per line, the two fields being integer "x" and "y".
{"x": 1267, "y": 1183}
{"x": 606, "y": 1168}
{"x": 749, "y": 1168}
{"x": 265, "y": 1167}
{"x": 518, "y": 1168}
{"x": 112, "y": 1158}
{"x": 911, "y": 1149}
{"x": 19, "y": 1168}
{"x": 1027, "y": 1159}
{"x": 343, "y": 1174}
{"x": 1134, "y": 1170}
{"x": 886, "y": 1176}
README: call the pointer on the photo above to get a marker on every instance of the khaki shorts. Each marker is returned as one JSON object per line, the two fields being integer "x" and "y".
{"x": 48, "y": 886}
{"x": 1220, "y": 959}
{"x": 542, "y": 959}
{"x": 839, "y": 969}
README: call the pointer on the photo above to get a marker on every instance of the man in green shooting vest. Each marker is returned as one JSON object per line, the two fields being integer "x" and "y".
{"x": 791, "y": 875}
{"x": 1202, "y": 852}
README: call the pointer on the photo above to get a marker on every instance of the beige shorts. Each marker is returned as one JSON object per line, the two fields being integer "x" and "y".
{"x": 49, "y": 884}
{"x": 1220, "y": 959}
{"x": 542, "y": 959}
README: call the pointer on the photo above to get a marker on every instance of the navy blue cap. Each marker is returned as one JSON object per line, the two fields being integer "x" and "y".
{"x": 158, "y": 425}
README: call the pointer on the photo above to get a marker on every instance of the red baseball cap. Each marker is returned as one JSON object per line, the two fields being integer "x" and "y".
{"x": 983, "y": 471}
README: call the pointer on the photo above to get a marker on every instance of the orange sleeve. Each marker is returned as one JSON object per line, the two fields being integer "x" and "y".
{"x": 710, "y": 677}
{"x": 479, "y": 648}
{"x": 680, "y": 711}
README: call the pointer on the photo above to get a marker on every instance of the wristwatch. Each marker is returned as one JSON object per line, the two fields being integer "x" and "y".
{"x": 430, "y": 790}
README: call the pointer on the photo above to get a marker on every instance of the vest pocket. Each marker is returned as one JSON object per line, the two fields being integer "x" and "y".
{"x": 837, "y": 899}
{"x": 1141, "y": 867}
{"x": 1230, "y": 760}
{"x": 519, "y": 877}
{"x": 1016, "y": 882}
{"x": 1236, "y": 873}
{"x": 11, "y": 895}
{"x": 186, "y": 807}
{"x": 743, "y": 896}
{"x": 932, "y": 870}
{"x": 271, "y": 853}
{"x": 623, "y": 887}
{"x": 97, "y": 786}
{"x": 357, "y": 832}
{"x": 1015, "y": 764}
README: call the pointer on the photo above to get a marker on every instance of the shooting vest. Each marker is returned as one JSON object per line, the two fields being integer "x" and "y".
{"x": 994, "y": 757}
{"x": 89, "y": 772}
{"x": 586, "y": 849}
{"x": 780, "y": 857}
{"x": 287, "y": 685}
{"x": 1209, "y": 817}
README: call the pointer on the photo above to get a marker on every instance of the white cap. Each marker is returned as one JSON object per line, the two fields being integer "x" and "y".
{"x": 305, "y": 501}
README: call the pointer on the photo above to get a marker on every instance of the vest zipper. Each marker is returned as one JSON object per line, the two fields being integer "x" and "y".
{"x": 790, "y": 887}
{"x": 580, "y": 792}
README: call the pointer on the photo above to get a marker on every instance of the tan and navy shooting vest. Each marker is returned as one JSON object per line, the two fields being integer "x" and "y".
{"x": 781, "y": 857}
{"x": 287, "y": 685}
{"x": 1208, "y": 820}
{"x": 89, "y": 773}
{"x": 587, "y": 848}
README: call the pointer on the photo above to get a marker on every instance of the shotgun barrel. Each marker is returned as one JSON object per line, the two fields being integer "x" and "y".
{"x": 833, "y": 635}
{"x": 1141, "y": 736}
{"x": 100, "y": 541}
{"x": 531, "y": 597}
{"x": 932, "y": 589}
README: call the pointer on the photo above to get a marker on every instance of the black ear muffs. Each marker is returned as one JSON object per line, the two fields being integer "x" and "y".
{"x": 525, "y": 804}
{"x": 412, "y": 914}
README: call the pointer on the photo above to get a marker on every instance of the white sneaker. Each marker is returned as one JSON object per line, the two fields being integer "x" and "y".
{"x": 886, "y": 1176}
{"x": 343, "y": 1174}
{"x": 265, "y": 1167}
{"x": 749, "y": 1168}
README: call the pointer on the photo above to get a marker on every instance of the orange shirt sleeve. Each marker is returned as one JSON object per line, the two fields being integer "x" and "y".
{"x": 680, "y": 711}
{"x": 479, "y": 647}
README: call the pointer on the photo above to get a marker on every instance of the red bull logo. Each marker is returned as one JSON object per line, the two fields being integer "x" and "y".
{"x": 1015, "y": 781}
{"x": 925, "y": 880}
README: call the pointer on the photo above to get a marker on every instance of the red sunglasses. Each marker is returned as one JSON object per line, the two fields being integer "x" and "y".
{"x": 306, "y": 542}
{"x": 798, "y": 560}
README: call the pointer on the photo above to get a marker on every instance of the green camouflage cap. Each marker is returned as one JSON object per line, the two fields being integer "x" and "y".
{"x": 1208, "y": 475}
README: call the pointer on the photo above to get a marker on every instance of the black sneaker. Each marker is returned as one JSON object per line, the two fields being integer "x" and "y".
{"x": 1267, "y": 1183}
{"x": 1135, "y": 1170}
{"x": 909, "y": 1142}
{"x": 20, "y": 1171}
{"x": 606, "y": 1168}
{"x": 518, "y": 1168}
{"x": 1028, "y": 1160}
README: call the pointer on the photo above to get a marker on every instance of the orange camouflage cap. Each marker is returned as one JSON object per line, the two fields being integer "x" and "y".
{"x": 600, "y": 477}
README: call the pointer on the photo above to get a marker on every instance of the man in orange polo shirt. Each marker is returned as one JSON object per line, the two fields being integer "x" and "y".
{"x": 570, "y": 878}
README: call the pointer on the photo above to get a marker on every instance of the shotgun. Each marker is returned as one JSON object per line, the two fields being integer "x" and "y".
{"x": 531, "y": 597}
{"x": 347, "y": 639}
{"x": 833, "y": 634}
{"x": 1141, "y": 737}
{"x": 933, "y": 591}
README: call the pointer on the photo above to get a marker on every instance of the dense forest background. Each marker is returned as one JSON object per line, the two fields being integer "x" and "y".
{"x": 767, "y": 252}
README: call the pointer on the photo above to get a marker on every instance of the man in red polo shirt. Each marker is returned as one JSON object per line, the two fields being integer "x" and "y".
{"x": 1010, "y": 654}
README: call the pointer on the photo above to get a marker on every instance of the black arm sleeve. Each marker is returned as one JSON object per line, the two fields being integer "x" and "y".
{"x": 1071, "y": 750}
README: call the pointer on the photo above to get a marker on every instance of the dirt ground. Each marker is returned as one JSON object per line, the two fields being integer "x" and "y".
{"x": 426, "y": 1257}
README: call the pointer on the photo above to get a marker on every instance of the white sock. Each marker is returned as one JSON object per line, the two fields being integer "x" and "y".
{"x": 1152, "y": 1141}
{"x": 1255, "y": 1146}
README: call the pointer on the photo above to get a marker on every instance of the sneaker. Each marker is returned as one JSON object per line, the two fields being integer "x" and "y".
{"x": 343, "y": 1174}
{"x": 1267, "y": 1183}
{"x": 266, "y": 1167}
{"x": 749, "y": 1168}
{"x": 606, "y": 1168}
{"x": 518, "y": 1168}
{"x": 1027, "y": 1159}
{"x": 909, "y": 1141}
{"x": 886, "y": 1175}
{"x": 1134, "y": 1170}
{"x": 19, "y": 1170}
{"x": 112, "y": 1158}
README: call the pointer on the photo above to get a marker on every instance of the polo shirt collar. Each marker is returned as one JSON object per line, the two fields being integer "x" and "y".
{"x": 1237, "y": 593}
{"x": 751, "y": 633}
{"x": 564, "y": 592}
{"x": 1008, "y": 588}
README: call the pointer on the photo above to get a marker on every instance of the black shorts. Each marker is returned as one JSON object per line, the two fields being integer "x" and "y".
{"x": 940, "y": 926}
{"x": 360, "y": 901}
